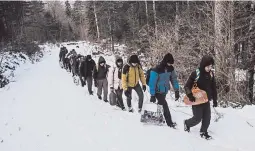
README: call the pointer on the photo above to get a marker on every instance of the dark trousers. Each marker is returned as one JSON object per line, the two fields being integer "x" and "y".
{"x": 139, "y": 92}
{"x": 119, "y": 93}
{"x": 162, "y": 101}
{"x": 89, "y": 84}
{"x": 102, "y": 85}
{"x": 202, "y": 113}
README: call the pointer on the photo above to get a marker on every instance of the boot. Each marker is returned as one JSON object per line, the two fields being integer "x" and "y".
{"x": 205, "y": 135}
{"x": 173, "y": 125}
{"x": 130, "y": 109}
{"x": 123, "y": 108}
{"x": 186, "y": 128}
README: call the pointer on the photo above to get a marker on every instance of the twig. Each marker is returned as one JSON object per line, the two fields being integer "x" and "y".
{"x": 179, "y": 111}
{"x": 249, "y": 124}
{"x": 218, "y": 114}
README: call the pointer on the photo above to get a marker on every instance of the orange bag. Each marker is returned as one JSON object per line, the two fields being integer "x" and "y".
{"x": 200, "y": 95}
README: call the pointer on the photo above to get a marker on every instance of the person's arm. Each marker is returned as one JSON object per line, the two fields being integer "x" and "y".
{"x": 174, "y": 81}
{"x": 189, "y": 84}
{"x": 214, "y": 91}
{"x": 95, "y": 73}
{"x": 142, "y": 77}
{"x": 124, "y": 77}
{"x": 81, "y": 68}
{"x": 153, "y": 82}
{"x": 111, "y": 77}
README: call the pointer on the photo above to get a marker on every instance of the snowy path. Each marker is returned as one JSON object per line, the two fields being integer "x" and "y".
{"x": 46, "y": 111}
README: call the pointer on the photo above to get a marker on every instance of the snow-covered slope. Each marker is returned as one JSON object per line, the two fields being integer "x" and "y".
{"x": 45, "y": 111}
{"x": 14, "y": 63}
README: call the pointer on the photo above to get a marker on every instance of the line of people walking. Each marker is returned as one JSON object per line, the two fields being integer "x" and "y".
{"x": 124, "y": 78}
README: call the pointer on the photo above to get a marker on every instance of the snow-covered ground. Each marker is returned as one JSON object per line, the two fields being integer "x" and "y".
{"x": 45, "y": 111}
{"x": 12, "y": 64}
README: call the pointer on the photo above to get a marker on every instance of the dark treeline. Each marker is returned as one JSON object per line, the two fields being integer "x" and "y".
{"x": 187, "y": 29}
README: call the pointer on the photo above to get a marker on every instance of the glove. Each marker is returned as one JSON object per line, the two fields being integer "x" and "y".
{"x": 191, "y": 97}
{"x": 144, "y": 88}
{"x": 82, "y": 83}
{"x": 177, "y": 95}
{"x": 215, "y": 103}
{"x": 112, "y": 89}
{"x": 153, "y": 99}
{"x": 95, "y": 82}
{"x": 127, "y": 93}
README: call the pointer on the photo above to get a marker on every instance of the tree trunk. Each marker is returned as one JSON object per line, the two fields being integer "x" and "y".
{"x": 95, "y": 13}
{"x": 155, "y": 18}
{"x": 110, "y": 22}
{"x": 251, "y": 64}
{"x": 224, "y": 54}
{"x": 147, "y": 16}
{"x": 176, "y": 26}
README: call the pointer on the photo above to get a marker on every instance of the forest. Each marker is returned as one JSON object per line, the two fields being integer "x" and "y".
{"x": 186, "y": 29}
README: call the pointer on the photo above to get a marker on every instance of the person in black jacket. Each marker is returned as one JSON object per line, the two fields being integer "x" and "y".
{"x": 86, "y": 71}
{"x": 205, "y": 80}
{"x": 62, "y": 54}
{"x": 80, "y": 60}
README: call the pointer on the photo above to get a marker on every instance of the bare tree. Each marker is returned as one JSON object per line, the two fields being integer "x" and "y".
{"x": 147, "y": 16}
{"x": 155, "y": 18}
{"x": 96, "y": 20}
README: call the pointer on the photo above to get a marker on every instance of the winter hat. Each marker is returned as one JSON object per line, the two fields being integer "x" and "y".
{"x": 118, "y": 59}
{"x": 206, "y": 61}
{"x": 101, "y": 60}
{"x": 134, "y": 59}
{"x": 88, "y": 57}
{"x": 168, "y": 58}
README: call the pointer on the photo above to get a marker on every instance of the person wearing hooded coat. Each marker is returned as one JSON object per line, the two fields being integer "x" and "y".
{"x": 86, "y": 71}
{"x": 74, "y": 63}
{"x": 100, "y": 78}
{"x": 131, "y": 74}
{"x": 62, "y": 54}
{"x": 159, "y": 83}
{"x": 80, "y": 61}
{"x": 115, "y": 81}
{"x": 206, "y": 82}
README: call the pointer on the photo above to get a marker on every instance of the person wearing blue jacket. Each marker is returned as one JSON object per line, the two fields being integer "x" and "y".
{"x": 159, "y": 83}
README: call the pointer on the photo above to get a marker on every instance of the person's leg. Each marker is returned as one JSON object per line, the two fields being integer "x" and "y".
{"x": 119, "y": 93}
{"x": 89, "y": 83}
{"x": 99, "y": 88}
{"x": 206, "y": 117}
{"x": 197, "y": 116}
{"x": 162, "y": 101}
{"x": 105, "y": 88}
{"x": 139, "y": 92}
{"x": 129, "y": 98}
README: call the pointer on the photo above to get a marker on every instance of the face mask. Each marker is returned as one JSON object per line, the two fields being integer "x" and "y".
{"x": 102, "y": 64}
{"x": 89, "y": 60}
{"x": 119, "y": 63}
{"x": 169, "y": 64}
{"x": 208, "y": 68}
{"x": 134, "y": 64}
